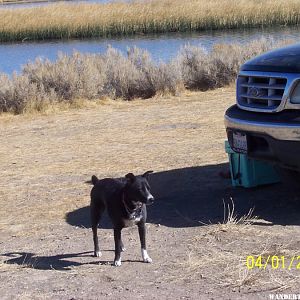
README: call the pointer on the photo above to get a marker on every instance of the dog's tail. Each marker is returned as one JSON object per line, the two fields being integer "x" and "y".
{"x": 93, "y": 181}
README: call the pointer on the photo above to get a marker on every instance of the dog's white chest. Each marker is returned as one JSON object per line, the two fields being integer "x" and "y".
{"x": 131, "y": 222}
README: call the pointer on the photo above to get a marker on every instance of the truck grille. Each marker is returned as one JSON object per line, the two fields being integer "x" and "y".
{"x": 260, "y": 93}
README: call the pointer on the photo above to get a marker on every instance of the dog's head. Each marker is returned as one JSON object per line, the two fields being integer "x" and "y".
{"x": 138, "y": 188}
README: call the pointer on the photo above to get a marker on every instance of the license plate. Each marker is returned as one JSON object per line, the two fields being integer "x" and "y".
{"x": 239, "y": 142}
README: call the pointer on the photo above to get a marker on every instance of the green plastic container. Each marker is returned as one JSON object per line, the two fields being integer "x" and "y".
{"x": 248, "y": 172}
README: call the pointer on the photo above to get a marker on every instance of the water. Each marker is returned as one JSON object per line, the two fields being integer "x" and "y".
{"x": 161, "y": 47}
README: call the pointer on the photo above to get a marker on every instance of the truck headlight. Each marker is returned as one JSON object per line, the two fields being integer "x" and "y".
{"x": 295, "y": 97}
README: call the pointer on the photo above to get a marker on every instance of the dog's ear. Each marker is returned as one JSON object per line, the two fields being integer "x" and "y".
{"x": 130, "y": 176}
{"x": 146, "y": 174}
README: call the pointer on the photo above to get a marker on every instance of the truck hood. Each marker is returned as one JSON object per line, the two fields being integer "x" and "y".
{"x": 284, "y": 60}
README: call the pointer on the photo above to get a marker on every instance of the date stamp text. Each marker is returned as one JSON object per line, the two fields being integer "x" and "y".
{"x": 274, "y": 261}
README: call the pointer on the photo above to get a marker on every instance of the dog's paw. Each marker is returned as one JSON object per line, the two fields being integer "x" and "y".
{"x": 97, "y": 254}
{"x": 123, "y": 249}
{"x": 117, "y": 263}
{"x": 147, "y": 260}
{"x": 145, "y": 256}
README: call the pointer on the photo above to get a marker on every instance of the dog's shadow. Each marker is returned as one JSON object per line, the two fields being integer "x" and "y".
{"x": 195, "y": 196}
{"x": 60, "y": 262}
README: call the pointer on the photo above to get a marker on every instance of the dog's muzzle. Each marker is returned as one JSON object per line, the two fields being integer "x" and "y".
{"x": 150, "y": 200}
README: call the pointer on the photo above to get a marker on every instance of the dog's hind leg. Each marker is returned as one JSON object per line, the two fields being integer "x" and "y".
{"x": 118, "y": 243}
{"x": 96, "y": 212}
{"x": 142, "y": 234}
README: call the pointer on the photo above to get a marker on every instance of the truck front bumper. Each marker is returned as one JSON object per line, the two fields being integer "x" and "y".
{"x": 271, "y": 137}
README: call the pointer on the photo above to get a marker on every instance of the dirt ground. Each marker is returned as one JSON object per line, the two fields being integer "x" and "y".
{"x": 199, "y": 249}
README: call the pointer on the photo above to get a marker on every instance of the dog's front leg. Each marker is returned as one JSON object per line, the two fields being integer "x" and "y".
{"x": 117, "y": 237}
{"x": 142, "y": 234}
{"x": 122, "y": 246}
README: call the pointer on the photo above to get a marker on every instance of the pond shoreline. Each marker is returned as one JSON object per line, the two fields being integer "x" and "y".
{"x": 161, "y": 47}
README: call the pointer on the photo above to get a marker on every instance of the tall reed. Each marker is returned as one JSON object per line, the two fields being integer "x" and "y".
{"x": 66, "y": 20}
{"x": 114, "y": 75}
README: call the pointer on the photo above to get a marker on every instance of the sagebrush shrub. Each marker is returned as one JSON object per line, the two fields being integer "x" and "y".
{"x": 115, "y": 75}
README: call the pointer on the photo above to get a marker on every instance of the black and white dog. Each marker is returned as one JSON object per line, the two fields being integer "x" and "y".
{"x": 125, "y": 200}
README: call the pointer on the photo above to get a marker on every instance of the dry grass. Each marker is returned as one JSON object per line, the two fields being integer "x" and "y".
{"x": 231, "y": 218}
{"x": 121, "y": 18}
{"x": 228, "y": 244}
{"x": 224, "y": 260}
{"x": 116, "y": 76}
{"x": 224, "y": 263}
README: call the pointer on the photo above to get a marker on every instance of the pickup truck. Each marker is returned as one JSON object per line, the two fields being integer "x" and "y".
{"x": 265, "y": 121}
